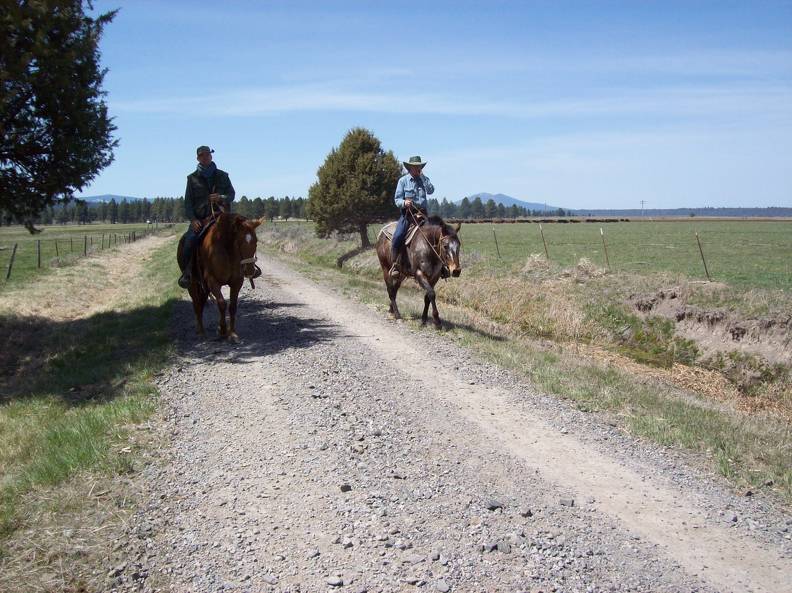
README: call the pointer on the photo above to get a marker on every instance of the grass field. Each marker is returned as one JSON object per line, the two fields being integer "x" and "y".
{"x": 742, "y": 253}
{"x": 60, "y": 245}
{"x": 75, "y": 378}
{"x": 571, "y": 328}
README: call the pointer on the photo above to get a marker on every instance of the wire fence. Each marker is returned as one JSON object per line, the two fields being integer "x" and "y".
{"x": 747, "y": 253}
{"x": 27, "y": 256}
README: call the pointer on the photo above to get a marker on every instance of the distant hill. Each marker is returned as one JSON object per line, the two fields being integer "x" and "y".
{"x": 509, "y": 201}
{"x": 108, "y": 197}
{"x": 774, "y": 211}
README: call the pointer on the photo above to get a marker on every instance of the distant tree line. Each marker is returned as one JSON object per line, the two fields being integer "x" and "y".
{"x": 476, "y": 209}
{"x": 157, "y": 210}
{"x": 272, "y": 207}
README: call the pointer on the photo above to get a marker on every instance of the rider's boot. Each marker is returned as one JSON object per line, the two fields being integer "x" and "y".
{"x": 186, "y": 275}
{"x": 399, "y": 268}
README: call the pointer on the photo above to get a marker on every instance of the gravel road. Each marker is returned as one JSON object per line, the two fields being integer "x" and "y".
{"x": 333, "y": 449}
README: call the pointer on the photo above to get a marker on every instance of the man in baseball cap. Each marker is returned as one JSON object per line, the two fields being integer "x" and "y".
{"x": 206, "y": 186}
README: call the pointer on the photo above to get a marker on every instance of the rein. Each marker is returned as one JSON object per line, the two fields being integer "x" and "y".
{"x": 442, "y": 261}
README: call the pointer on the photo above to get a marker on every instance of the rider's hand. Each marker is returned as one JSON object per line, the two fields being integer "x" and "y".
{"x": 215, "y": 198}
{"x": 408, "y": 203}
{"x": 195, "y": 224}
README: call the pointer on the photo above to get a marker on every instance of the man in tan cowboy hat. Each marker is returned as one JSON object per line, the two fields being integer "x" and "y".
{"x": 411, "y": 192}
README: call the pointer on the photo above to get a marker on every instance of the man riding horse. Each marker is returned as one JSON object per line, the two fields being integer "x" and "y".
{"x": 209, "y": 192}
{"x": 410, "y": 197}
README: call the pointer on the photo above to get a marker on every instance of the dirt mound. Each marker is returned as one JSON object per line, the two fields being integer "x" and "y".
{"x": 718, "y": 330}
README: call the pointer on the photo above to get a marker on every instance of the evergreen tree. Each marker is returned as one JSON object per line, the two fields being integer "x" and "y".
{"x": 490, "y": 209}
{"x": 476, "y": 209}
{"x": 55, "y": 133}
{"x": 355, "y": 186}
{"x": 464, "y": 208}
{"x": 514, "y": 211}
{"x": 501, "y": 211}
{"x": 123, "y": 212}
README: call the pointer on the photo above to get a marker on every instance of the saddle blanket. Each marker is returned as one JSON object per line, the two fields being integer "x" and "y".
{"x": 390, "y": 228}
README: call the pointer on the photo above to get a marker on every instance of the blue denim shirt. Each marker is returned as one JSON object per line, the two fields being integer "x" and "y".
{"x": 415, "y": 189}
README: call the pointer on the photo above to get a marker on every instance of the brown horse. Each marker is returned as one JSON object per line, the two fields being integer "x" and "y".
{"x": 225, "y": 257}
{"x": 432, "y": 253}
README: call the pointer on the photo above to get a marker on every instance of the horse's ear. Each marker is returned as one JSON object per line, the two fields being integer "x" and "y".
{"x": 458, "y": 226}
{"x": 257, "y": 222}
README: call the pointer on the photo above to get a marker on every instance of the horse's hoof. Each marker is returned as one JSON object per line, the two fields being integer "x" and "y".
{"x": 233, "y": 337}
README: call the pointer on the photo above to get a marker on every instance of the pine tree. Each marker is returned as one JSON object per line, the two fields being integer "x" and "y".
{"x": 55, "y": 132}
{"x": 355, "y": 186}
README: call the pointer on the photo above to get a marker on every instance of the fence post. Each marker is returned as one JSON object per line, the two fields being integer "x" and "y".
{"x": 71, "y": 244}
{"x": 605, "y": 247}
{"x": 701, "y": 251}
{"x": 544, "y": 242}
{"x": 102, "y": 240}
{"x": 11, "y": 262}
{"x": 85, "y": 245}
{"x": 497, "y": 249}
{"x": 57, "y": 253}
{"x": 38, "y": 253}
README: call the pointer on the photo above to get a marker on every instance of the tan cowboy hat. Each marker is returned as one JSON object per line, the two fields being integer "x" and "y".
{"x": 414, "y": 161}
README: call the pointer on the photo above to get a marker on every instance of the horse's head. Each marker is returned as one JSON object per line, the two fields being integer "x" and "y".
{"x": 450, "y": 247}
{"x": 246, "y": 242}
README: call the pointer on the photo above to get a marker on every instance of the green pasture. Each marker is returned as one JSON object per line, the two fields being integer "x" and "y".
{"x": 747, "y": 254}
{"x": 73, "y": 414}
{"x": 60, "y": 245}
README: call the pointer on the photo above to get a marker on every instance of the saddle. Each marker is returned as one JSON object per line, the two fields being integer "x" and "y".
{"x": 389, "y": 229}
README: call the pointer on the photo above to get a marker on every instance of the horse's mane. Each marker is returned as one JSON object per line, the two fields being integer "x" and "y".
{"x": 437, "y": 221}
{"x": 224, "y": 228}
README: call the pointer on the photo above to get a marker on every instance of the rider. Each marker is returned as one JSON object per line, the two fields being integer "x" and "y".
{"x": 411, "y": 192}
{"x": 208, "y": 189}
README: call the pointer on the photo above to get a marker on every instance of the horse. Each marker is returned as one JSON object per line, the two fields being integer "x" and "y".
{"x": 433, "y": 252}
{"x": 225, "y": 257}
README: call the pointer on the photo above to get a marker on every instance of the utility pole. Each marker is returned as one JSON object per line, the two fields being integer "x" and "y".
{"x": 642, "y": 206}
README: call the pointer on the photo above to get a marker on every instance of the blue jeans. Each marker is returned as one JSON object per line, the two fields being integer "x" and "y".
{"x": 400, "y": 234}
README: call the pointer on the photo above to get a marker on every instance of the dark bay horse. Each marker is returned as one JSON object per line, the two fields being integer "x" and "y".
{"x": 225, "y": 257}
{"x": 433, "y": 252}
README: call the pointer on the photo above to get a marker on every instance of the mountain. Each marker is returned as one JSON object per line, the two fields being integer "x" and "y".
{"x": 108, "y": 197}
{"x": 509, "y": 201}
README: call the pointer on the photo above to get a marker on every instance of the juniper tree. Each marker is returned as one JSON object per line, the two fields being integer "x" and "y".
{"x": 355, "y": 186}
{"x": 55, "y": 132}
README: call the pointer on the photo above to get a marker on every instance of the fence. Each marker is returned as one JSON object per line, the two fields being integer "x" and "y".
{"x": 29, "y": 254}
{"x": 747, "y": 253}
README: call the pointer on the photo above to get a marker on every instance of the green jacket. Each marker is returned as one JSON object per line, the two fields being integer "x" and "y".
{"x": 196, "y": 196}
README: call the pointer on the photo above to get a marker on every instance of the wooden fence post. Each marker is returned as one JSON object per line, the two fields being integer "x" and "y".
{"x": 38, "y": 253}
{"x": 605, "y": 247}
{"x": 71, "y": 244}
{"x": 85, "y": 245}
{"x": 57, "y": 254}
{"x": 11, "y": 261}
{"x": 701, "y": 251}
{"x": 544, "y": 242}
{"x": 497, "y": 249}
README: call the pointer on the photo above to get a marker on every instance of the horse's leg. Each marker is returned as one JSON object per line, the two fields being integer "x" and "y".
{"x": 198, "y": 297}
{"x": 232, "y": 309}
{"x": 435, "y": 312}
{"x": 420, "y": 278}
{"x": 217, "y": 292}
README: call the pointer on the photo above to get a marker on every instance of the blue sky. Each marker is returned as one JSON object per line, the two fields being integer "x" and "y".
{"x": 579, "y": 104}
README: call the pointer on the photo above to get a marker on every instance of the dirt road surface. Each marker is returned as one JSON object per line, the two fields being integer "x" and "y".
{"x": 333, "y": 449}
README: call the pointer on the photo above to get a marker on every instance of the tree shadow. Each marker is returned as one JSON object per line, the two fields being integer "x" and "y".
{"x": 350, "y": 254}
{"x": 93, "y": 359}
